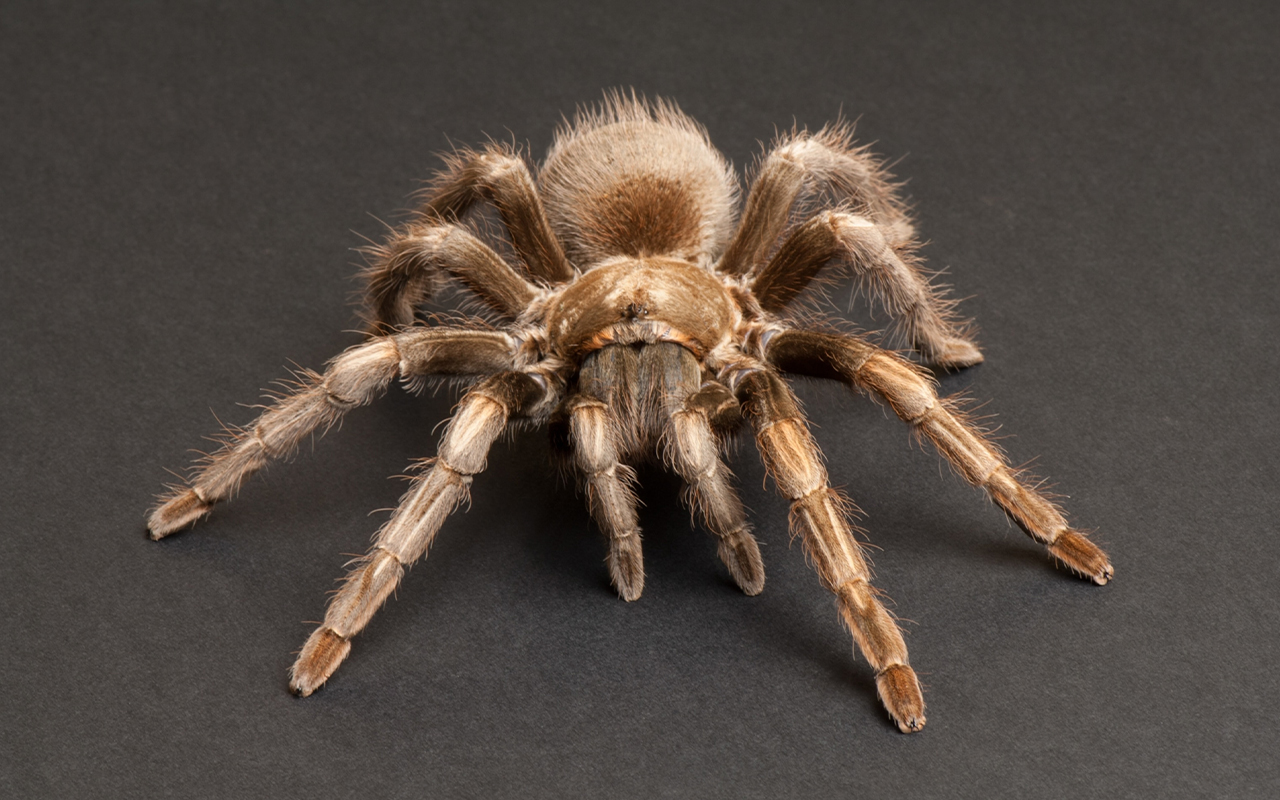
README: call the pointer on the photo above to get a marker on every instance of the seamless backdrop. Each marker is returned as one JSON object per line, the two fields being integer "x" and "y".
{"x": 183, "y": 186}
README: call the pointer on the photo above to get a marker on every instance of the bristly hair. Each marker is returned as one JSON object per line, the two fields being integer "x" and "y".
{"x": 654, "y": 186}
{"x": 681, "y": 334}
{"x": 626, "y": 105}
{"x": 452, "y": 186}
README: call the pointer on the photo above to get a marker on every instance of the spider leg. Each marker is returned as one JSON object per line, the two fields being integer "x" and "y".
{"x": 912, "y": 397}
{"x": 498, "y": 174}
{"x": 482, "y": 416}
{"x": 911, "y": 300}
{"x": 595, "y": 439}
{"x": 803, "y": 165}
{"x": 695, "y": 453}
{"x": 352, "y": 379}
{"x": 800, "y": 165}
{"x": 820, "y": 515}
{"x": 405, "y": 269}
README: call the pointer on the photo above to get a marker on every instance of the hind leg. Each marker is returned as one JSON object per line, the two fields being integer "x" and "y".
{"x": 803, "y": 164}
{"x": 404, "y": 272}
{"x": 926, "y": 318}
{"x": 498, "y": 174}
{"x": 872, "y": 232}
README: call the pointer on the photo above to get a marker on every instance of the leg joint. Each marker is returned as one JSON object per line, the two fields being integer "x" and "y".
{"x": 498, "y": 165}
{"x": 338, "y": 402}
{"x": 854, "y": 224}
{"x": 801, "y": 152}
{"x": 907, "y": 391}
{"x": 806, "y": 496}
{"x": 442, "y": 463}
{"x": 391, "y": 553}
{"x": 256, "y": 439}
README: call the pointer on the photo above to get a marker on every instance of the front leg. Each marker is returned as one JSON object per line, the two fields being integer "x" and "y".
{"x": 912, "y": 397}
{"x": 353, "y": 379}
{"x": 482, "y": 416}
{"x": 820, "y": 515}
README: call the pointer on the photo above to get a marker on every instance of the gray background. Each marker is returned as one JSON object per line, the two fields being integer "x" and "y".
{"x": 182, "y": 190}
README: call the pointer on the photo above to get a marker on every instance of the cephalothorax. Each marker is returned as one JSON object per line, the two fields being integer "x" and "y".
{"x": 646, "y": 316}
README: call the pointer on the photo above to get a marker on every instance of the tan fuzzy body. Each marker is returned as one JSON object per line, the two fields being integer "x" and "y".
{"x": 642, "y": 316}
{"x": 690, "y": 302}
{"x": 637, "y": 179}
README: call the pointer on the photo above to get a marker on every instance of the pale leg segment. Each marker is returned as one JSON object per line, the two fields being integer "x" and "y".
{"x": 482, "y": 416}
{"x": 352, "y": 379}
{"x": 912, "y": 397}
{"x": 819, "y": 514}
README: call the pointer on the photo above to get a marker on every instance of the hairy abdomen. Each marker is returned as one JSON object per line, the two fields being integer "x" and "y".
{"x": 635, "y": 181}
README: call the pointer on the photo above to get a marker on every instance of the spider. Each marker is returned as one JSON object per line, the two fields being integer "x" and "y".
{"x": 646, "y": 317}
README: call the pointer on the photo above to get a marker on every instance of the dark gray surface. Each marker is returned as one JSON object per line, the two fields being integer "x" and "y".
{"x": 181, "y": 191}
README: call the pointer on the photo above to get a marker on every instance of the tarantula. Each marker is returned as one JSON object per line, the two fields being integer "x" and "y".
{"x": 646, "y": 316}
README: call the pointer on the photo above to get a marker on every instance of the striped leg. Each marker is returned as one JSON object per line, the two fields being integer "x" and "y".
{"x": 912, "y": 397}
{"x": 819, "y": 514}
{"x": 352, "y": 379}
{"x": 482, "y": 416}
